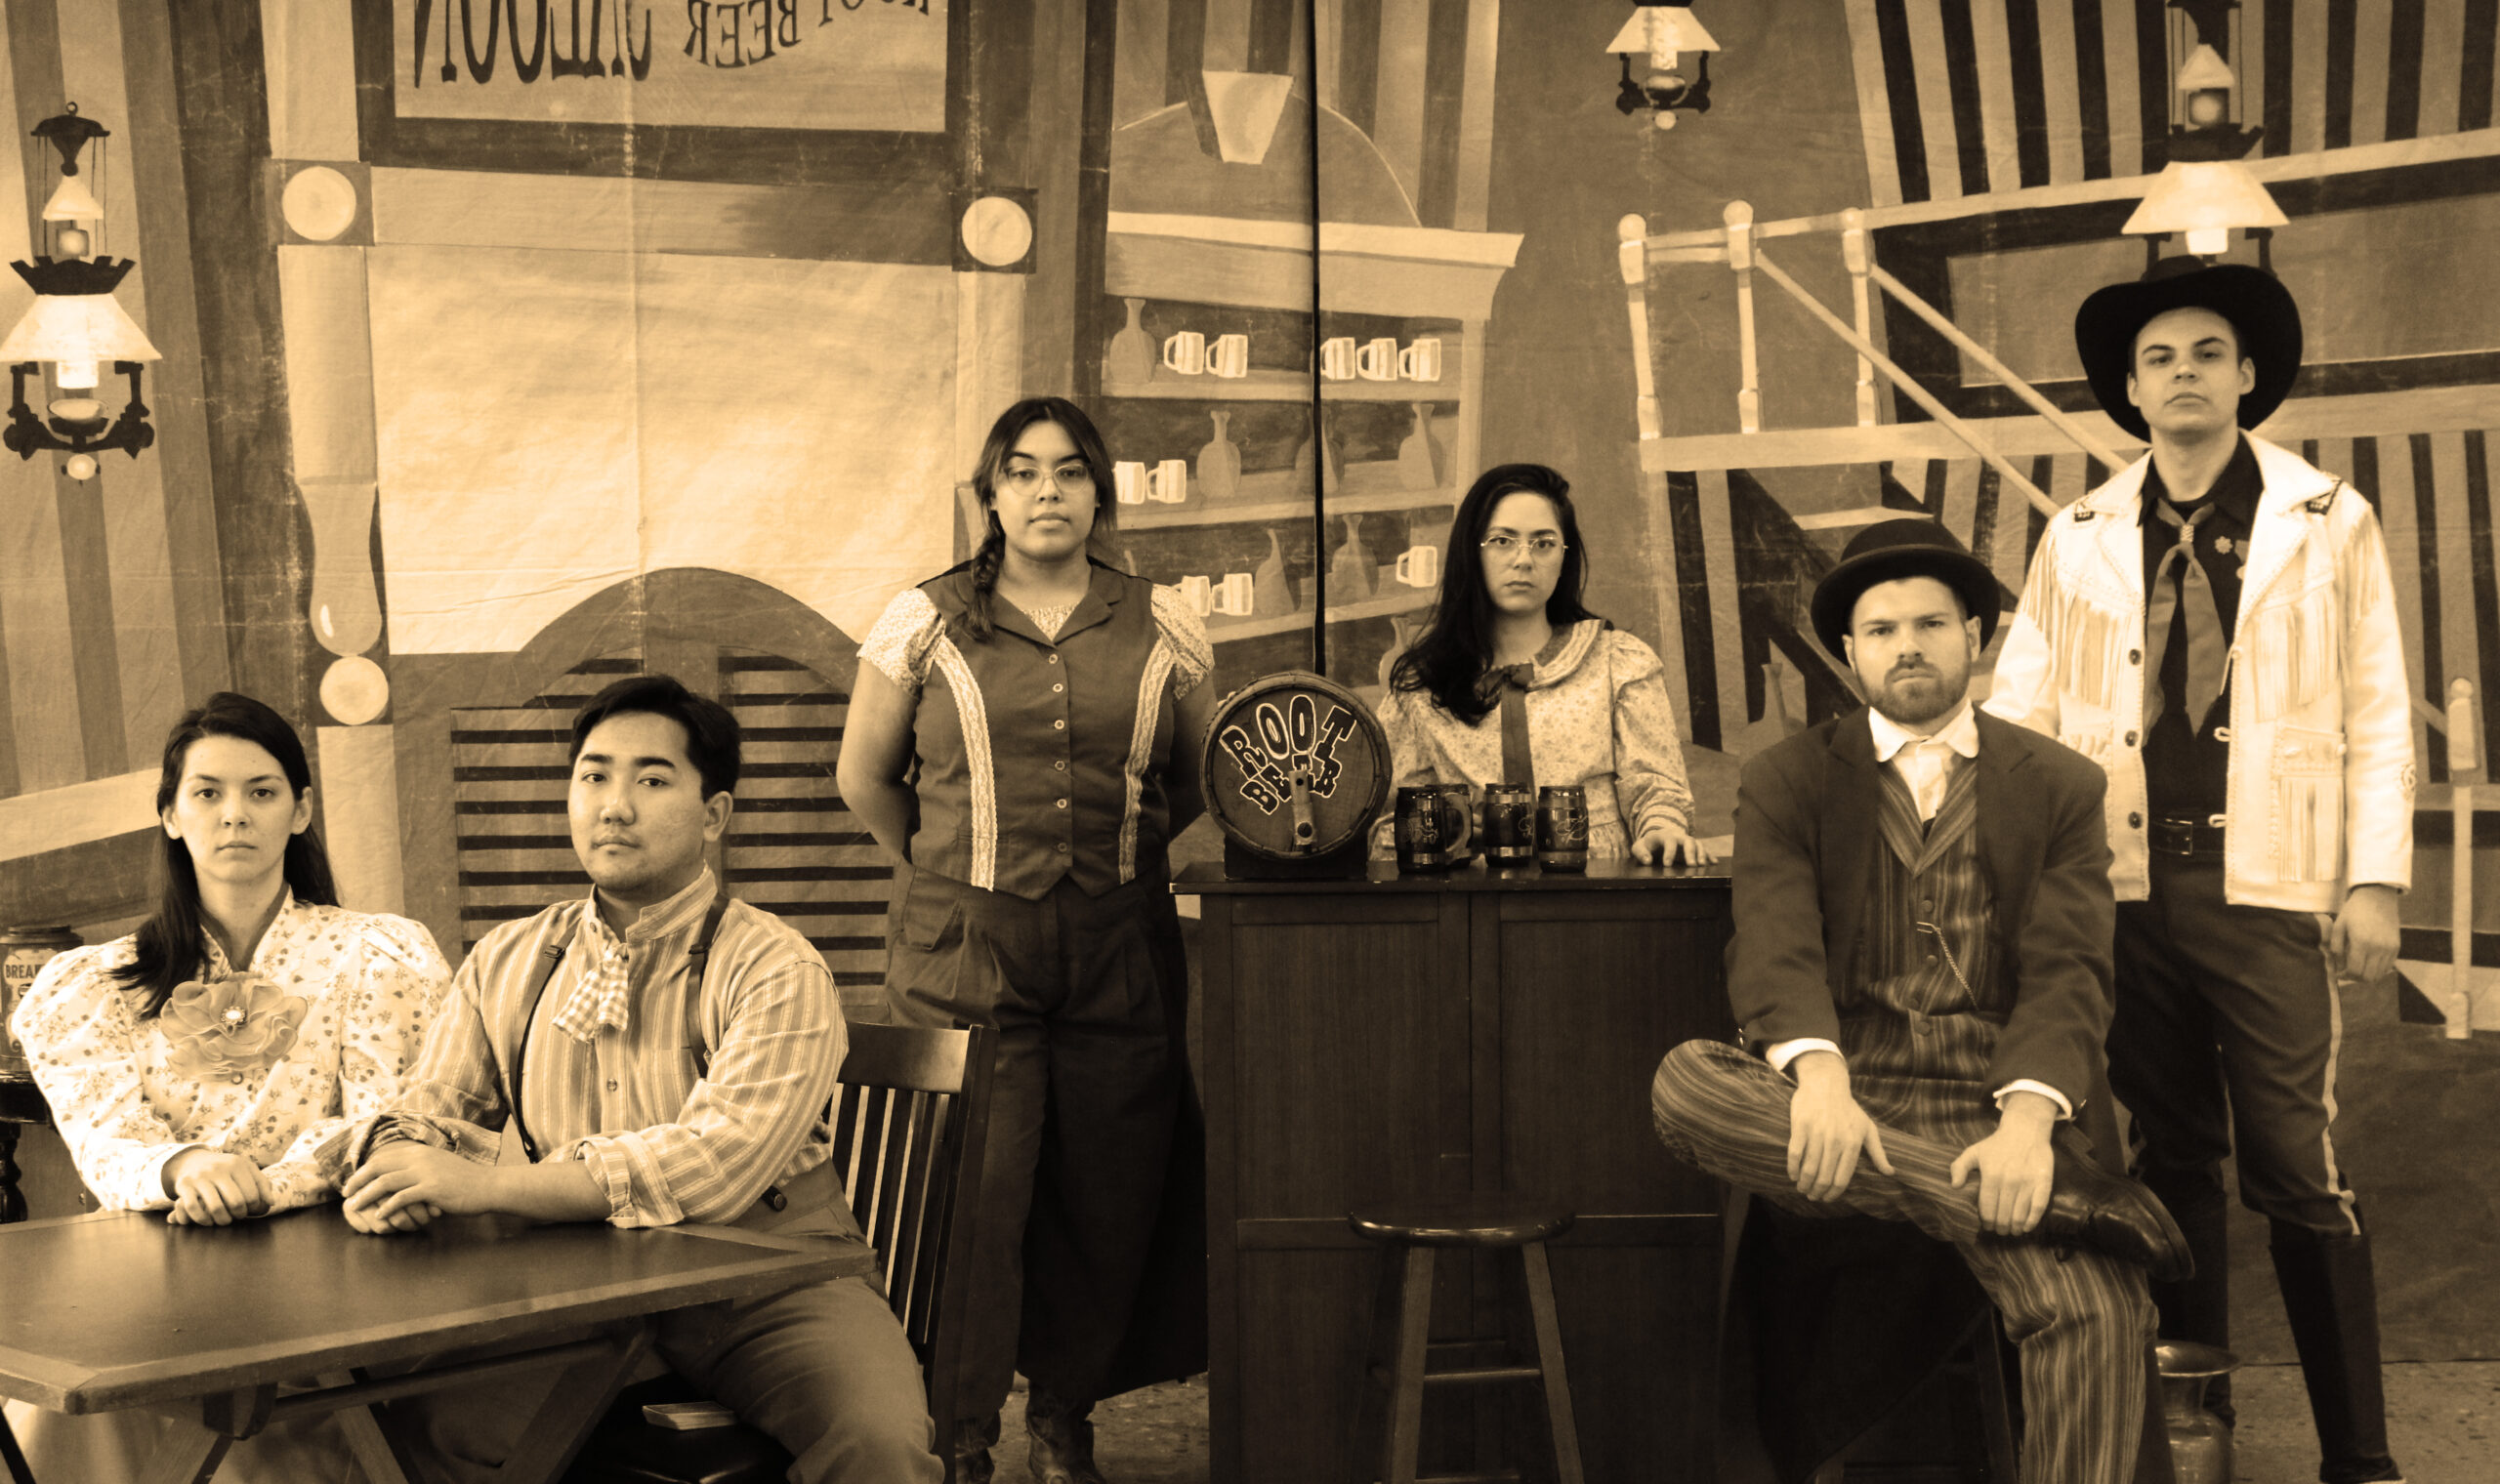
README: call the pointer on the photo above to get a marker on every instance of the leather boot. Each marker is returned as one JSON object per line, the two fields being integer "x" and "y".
{"x": 2198, "y": 1308}
{"x": 2331, "y": 1297}
{"x": 2109, "y": 1214}
{"x": 1062, "y": 1433}
{"x": 974, "y": 1438}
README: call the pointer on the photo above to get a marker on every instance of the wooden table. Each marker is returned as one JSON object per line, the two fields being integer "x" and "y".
{"x": 120, "y": 1309}
{"x": 1483, "y": 1030}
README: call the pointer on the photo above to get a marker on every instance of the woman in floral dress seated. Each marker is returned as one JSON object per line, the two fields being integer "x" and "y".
{"x": 202, "y": 1065}
{"x": 1514, "y": 682}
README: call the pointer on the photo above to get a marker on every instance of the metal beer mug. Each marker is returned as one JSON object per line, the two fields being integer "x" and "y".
{"x": 1563, "y": 827}
{"x": 1509, "y": 831}
{"x": 1431, "y": 828}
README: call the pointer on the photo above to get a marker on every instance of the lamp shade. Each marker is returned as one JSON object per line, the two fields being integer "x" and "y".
{"x": 2205, "y": 68}
{"x": 2204, "y": 196}
{"x": 77, "y": 327}
{"x": 1662, "y": 30}
{"x": 73, "y": 202}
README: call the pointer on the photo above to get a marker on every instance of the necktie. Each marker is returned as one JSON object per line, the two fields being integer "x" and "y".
{"x": 1511, "y": 682}
{"x": 2205, "y": 648}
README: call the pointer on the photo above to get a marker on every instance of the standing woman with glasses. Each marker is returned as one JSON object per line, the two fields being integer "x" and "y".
{"x": 1024, "y": 732}
{"x": 1516, "y": 682}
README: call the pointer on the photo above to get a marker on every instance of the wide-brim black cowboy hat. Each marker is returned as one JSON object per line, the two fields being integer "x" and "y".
{"x": 2257, "y": 305}
{"x": 1890, "y": 550}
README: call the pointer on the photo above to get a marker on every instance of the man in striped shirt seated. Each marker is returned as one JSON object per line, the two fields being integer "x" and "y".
{"x": 659, "y": 1054}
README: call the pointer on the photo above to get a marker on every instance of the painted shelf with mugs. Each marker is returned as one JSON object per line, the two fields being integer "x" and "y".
{"x": 1191, "y": 366}
{"x": 1212, "y": 354}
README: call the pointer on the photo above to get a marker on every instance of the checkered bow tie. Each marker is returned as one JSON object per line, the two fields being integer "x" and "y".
{"x": 600, "y": 995}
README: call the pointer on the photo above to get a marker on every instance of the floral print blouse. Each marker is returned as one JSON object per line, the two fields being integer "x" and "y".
{"x": 1598, "y": 715}
{"x": 369, "y": 983}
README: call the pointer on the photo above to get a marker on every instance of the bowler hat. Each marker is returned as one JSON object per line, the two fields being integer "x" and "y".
{"x": 1889, "y": 550}
{"x": 2259, "y": 308}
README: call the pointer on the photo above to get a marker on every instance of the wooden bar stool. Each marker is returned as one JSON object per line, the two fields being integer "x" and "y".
{"x": 1413, "y": 1232}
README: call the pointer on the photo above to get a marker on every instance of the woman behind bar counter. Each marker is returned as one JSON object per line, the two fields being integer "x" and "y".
{"x": 1023, "y": 731}
{"x": 1516, "y": 682}
{"x": 202, "y": 1065}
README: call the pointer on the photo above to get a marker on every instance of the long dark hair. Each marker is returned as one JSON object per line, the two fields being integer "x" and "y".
{"x": 1450, "y": 660}
{"x": 168, "y": 950}
{"x": 994, "y": 451}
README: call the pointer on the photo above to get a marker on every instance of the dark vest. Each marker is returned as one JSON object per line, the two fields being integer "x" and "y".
{"x": 1041, "y": 758}
{"x": 1907, "y": 1010}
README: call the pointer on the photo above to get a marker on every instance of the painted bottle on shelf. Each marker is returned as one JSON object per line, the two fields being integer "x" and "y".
{"x": 1270, "y": 591}
{"x": 1219, "y": 461}
{"x": 1351, "y": 574}
{"x": 1419, "y": 458}
{"x": 1316, "y": 456}
{"x": 1130, "y": 357}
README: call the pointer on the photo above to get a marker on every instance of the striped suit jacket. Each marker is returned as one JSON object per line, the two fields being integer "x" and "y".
{"x": 1808, "y": 839}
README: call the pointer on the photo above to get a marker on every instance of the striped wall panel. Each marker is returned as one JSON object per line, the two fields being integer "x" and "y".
{"x": 793, "y": 849}
{"x": 1962, "y": 98}
{"x": 2432, "y": 492}
{"x": 100, "y": 645}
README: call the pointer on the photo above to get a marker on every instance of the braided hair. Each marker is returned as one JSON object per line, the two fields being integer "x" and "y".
{"x": 1011, "y": 426}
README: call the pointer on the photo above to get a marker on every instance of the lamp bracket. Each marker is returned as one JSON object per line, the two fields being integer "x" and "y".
{"x": 2213, "y": 142}
{"x": 27, "y": 434}
{"x": 69, "y": 133}
{"x": 74, "y": 276}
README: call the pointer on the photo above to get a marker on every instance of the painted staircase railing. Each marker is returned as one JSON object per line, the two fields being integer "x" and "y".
{"x": 1740, "y": 247}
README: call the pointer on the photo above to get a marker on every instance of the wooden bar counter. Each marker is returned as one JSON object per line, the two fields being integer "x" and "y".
{"x": 1371, "y": 1039}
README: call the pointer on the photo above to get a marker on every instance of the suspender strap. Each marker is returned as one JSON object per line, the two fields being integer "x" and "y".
{"x": 543, "y": 970}
{"x": 698, "y": 959}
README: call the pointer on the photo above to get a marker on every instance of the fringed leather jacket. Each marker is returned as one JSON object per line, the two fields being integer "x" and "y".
{"x": 2320, "y": 792}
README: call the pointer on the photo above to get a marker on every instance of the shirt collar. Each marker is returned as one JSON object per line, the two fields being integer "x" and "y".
{"x": 1962, "y": 734}
{"x": 214, "y": 963}
{"x": 2234, "y": 493}
{"x": 660, "y": 919}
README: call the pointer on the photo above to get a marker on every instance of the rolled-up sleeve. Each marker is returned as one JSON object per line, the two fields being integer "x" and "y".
{"x": 452, "y": 1100}
{"x": 773, "y": 1069}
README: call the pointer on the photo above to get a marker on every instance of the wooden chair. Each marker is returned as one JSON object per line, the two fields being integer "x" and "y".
{"x": 909, "y": 1123}
{"x": 1876, "y": 1356}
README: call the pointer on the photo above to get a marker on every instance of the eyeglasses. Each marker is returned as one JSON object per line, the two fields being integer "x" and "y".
{"x": 1504, "y": 548}
{"x": 1072, "y": 479}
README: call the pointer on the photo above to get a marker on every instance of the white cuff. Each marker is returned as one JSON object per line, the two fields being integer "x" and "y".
{"x": 2065, "y": 1109}
{"x": 1781, "y": 1053}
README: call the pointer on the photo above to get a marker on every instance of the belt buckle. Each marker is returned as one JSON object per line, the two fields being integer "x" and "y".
{"x": 2172, "y": 836}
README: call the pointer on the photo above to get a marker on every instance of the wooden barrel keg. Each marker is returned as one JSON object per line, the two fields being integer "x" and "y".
{"x": 1296, "y": 770}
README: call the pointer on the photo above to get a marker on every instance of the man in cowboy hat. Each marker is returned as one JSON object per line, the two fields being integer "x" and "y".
{"x": 2216, "y": 627}
{"x": 1921, "y": 960}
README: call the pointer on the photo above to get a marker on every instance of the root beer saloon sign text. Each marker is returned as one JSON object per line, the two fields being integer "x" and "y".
{"x": 811, "y": 65}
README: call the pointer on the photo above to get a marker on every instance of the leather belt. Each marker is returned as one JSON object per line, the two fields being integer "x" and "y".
{"x": 2184, "y": 835}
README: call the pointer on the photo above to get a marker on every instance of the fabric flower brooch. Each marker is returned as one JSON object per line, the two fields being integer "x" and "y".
{"x": 226, "y": 1027}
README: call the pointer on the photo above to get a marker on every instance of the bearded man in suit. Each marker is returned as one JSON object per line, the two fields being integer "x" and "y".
{"x": 1920, "y": 971}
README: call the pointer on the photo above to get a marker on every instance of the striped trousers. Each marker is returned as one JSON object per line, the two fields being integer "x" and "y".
{"x": 2082, "y": 1321}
